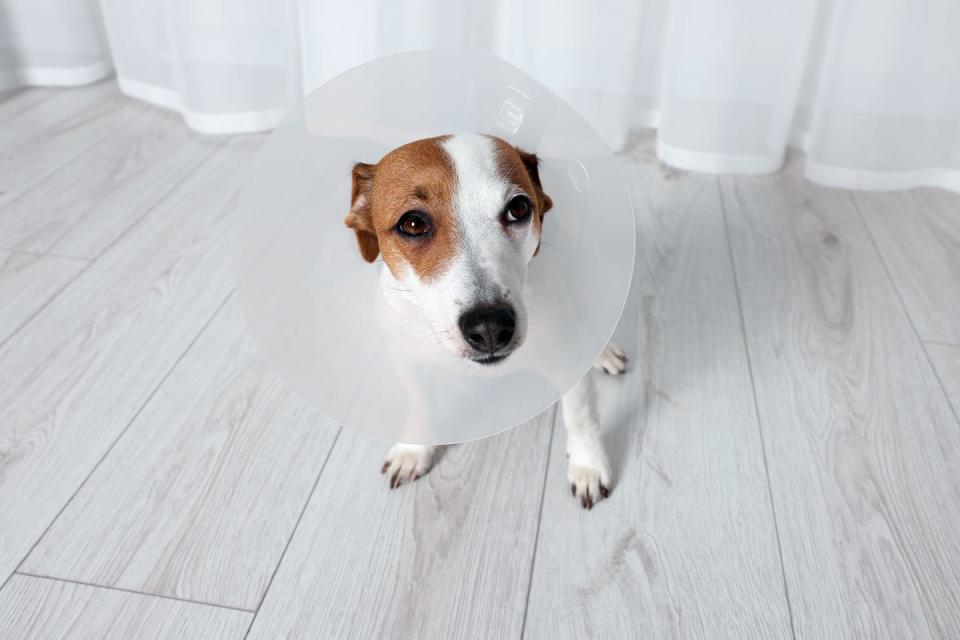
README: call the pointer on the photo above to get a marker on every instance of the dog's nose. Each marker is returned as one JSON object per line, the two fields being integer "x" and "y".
{"x": 488, "y": 328}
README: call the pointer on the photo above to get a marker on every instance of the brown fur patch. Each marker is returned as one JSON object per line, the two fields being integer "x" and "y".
{"x": 417, "y": 176}
{"x": 360, "y": 218}
{"x": 520, "y": 168}
{"x": 421, "y": 176}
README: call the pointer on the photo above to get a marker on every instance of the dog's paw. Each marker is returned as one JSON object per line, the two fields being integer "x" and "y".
{"x": 612, "y": 360}
{"x": 590, "y": 478}
{"x": 407, "y": 462}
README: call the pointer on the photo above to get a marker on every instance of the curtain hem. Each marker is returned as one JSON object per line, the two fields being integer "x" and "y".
{"x": 708, "y": 162}
{"x": 203, "y": 122}
{"x": 821, "y": 173}
{"x": 55, "y": 76}
{"x": 680, "y": 158}
{"x": 866, "y": 180}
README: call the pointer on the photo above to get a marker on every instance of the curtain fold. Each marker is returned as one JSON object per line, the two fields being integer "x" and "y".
{"x": 52, "y": 43}
{"x": 870, "y": 89}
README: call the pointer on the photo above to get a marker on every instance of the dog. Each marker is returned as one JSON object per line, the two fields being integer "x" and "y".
{"x": 457, "y": 220}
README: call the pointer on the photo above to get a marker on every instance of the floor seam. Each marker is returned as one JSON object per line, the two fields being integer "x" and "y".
{"x": 120, "y": 435}
{"x": 293, "y": 532}
{"x": 536, "y": 536}
{"x": 46, "y": 304}
{"x": 940, "y": 343}
{"x": 139, "y": 110}
{"x": 109, "y": 245}
{"x": 44, "y": 254}
{"x": 94, "y": 585}
{"x": 906, "y": 311}
{"x": 756, "y": 407}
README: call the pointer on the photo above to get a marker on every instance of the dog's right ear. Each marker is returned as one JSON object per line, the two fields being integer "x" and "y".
{"x": 532, "y": 164}
{"x": 360, "y": 218}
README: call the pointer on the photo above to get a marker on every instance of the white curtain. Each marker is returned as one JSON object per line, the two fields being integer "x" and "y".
{"x": 870, "y": 89}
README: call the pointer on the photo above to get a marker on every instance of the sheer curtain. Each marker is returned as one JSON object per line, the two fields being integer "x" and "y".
{"x": 869, "y": 88}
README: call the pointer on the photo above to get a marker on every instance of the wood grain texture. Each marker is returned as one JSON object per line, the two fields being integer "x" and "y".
{"x": 446, "y": 557}
{"x": 13, "y": 102}
{"x": 38, "y": 609}
{"x": 918, "y": 234}
{"x": 946, "y": 360}
{"x": 75, "y": 378}
{"x": 199, "y": 497}
{"x": 27, "y": 282}
{"x": 863, "y": 449}
{"x": 39, "y": 140}
{"x": 685, "y": 547}
{"x": 88, "y": 202}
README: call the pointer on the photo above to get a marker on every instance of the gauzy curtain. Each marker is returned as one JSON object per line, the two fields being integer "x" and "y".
{"x": 870, "y": 89}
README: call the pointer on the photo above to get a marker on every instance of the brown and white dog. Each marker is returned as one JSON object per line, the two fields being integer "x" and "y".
{"x": 457, "y": 219}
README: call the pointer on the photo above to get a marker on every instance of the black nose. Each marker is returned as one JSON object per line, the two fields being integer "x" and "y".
{"x": 488, "y": 328}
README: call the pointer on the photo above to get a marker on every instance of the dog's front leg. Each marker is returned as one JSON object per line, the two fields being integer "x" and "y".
{"x": 407, "y": 462}
{"x": 588, "y": 468}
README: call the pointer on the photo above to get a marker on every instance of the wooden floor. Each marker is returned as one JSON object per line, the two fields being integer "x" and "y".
{"x": 786, "y": 447}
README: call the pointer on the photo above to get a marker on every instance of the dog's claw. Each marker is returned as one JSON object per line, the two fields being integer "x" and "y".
{"x": 407, "y": 463}
{"x": 589, "y": 481}
{"x": 612, "y": 361}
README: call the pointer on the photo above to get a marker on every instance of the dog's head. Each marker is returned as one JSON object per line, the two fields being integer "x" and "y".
{"x": 457, "y": 219}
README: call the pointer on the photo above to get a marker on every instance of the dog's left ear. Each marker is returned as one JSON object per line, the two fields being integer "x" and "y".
{"x": 531, "y": 162}
{"x": 360, "y": 218}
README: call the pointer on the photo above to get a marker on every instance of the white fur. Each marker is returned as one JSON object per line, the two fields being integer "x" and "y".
{"x": 588, "y": 467}
{"x": 492, "y": 266}
{"x": 407, "y": 462}
{"x": 612, "y": 360}
{"x": 492, "y": 263}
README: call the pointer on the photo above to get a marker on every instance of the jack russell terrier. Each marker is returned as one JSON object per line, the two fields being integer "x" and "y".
{"x": 457, "y": 219}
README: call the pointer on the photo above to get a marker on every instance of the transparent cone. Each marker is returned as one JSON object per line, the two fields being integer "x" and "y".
{"x": 317, "y": 309}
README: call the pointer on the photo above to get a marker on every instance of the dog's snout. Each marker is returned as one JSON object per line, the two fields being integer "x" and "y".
{"x": 488, "y": 328}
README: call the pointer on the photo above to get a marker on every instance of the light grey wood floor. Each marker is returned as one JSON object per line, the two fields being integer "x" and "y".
{"x": 786, "y": 444}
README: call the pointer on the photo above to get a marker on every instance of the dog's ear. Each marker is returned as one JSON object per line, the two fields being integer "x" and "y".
{"x": 531, "y": 162}
{"x": 360, "y": 218}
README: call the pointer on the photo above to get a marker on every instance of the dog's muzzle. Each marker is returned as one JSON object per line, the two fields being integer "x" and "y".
{"x": 489, "y": 330}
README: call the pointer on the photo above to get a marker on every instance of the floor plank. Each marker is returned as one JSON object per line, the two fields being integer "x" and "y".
{"x": 918, "y": 234}
{"x": 13, "y": 102}
{"x": 446, "y": 557}
{"x": 946, "y": 360}
{"x": 39, "y": 609}
{"x": 199, "y": 497}
{"x": 37, "y": 141}
{"x": 27, "y": 282}
{"x": 75, "y": 379}
{"x": 686, "y": 544}
{"x": 862, "y": 447}
{"x": 88, "y": 202}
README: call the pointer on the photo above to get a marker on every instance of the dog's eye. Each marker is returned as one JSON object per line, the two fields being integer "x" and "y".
{"x": 518, "y": 209}
{"x": 413, "y": 223}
